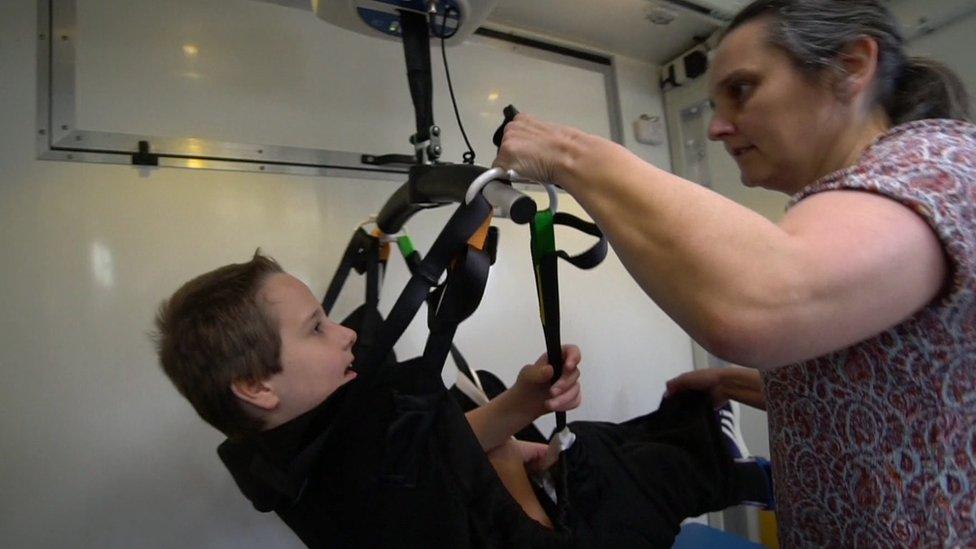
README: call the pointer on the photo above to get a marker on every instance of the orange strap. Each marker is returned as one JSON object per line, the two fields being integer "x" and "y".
{"x": 384, "y": 245}
{"x": 479, "y": 237}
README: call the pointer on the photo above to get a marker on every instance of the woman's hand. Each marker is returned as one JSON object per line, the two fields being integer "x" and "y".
{"x": 537, "y": 150}
{"x": 537, "y": 397}
{"x": 708, "y": 380}
{"x": 722, "y": 384}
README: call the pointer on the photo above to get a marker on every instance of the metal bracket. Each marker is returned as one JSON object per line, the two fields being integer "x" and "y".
{"x": 144, "y": 157}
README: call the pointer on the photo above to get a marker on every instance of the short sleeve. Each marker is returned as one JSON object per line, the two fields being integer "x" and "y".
{"x": 930, "y": 167}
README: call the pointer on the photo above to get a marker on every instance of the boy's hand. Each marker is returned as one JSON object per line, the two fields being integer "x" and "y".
{"x": 538, "y": 397}
{"x": 537, "y": 457}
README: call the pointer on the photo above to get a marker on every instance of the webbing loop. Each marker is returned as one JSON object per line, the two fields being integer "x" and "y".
{"x": 544, "y": 262}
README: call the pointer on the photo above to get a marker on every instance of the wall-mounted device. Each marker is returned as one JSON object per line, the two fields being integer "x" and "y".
{"x": 649, "y": 130}
{"x": 381, "y": 18}
{"x": 690, "y": 65}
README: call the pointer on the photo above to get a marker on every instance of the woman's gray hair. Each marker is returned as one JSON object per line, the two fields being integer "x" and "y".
{"x": 815, "y": 32}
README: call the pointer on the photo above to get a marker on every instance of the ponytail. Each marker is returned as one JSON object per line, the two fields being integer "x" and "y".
{"x": 927, "y": 89}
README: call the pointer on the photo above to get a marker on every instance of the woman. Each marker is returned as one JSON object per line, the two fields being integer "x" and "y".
{"x": 856, "y": 313}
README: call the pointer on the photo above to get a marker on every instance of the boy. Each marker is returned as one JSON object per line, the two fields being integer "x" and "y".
{"x": 251, "y": 349}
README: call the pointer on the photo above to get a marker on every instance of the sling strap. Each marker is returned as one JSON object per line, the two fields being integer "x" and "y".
{"x": 451, "y": 243}
{"x": 545, "y": 267}
{"x": 366, "y": 254}
{"x": 545, "y": 262}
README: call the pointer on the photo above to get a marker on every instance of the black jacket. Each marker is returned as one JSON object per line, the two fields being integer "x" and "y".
{"x": 391, "y": 462}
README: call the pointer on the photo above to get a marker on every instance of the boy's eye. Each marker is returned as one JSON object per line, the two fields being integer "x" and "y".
{"x": 318, "y": 327}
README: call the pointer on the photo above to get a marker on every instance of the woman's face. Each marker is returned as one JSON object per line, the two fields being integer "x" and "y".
{"x": 777, "y": 124}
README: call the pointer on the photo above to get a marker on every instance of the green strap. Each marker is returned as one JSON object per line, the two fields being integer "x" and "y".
{"x": 543, "y": 244}
{"x": 544, "y": 235}
{"x": 547, "y": 285}
{"x": 405, "y": 245}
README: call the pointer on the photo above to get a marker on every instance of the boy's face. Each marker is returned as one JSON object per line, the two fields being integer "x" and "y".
{"x": 316, "y": 353}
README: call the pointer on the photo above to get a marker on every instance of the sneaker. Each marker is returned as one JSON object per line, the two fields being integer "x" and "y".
{"x": 728, "y": 420}
{"x": 756, "y": 477}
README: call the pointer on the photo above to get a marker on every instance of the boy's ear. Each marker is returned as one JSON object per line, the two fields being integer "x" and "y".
{"x": 256, "y": 393}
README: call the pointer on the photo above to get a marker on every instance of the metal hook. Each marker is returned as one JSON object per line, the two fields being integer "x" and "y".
{"x": 383, "y": 237}
{"x": 511, "y": 176}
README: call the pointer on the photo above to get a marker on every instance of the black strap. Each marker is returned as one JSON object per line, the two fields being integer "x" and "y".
{"x": 361, "y": 252}
{"x": 362, "y": 255}
{"x": 456, "y": 300}
{"x": 432, "y": 301}
{"x": 591, "y": 257}
{"x": 546, "y": 269}
{"x": 544, "y": 256}
{"x": 413, "y": 258}
{"x": 545, "y": 260}
{"x": 451, "y": 241}
{"x": 366, "y": 334}
{"x": 510, "y": 112}
{"x": 416, "y": 49}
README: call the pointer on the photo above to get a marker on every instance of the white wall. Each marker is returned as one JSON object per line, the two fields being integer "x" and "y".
{"x": 98, "y": 450}
{"x": 954, "y": 45}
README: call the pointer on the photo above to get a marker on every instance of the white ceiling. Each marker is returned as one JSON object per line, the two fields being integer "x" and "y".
{"x": 920, "y": 17}
{"x": 621, "y": 26}
{"x": 615, "y": 26}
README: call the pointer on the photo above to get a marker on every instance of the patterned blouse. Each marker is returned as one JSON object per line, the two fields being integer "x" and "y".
{"x": 875, "y": 445}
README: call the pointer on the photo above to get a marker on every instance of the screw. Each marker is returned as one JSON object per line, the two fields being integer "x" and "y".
{"x": 42, "y": 36}
{"x": 77, "y": 138}
{"x": 435, "y": 131}
{"x": 260, "y": 151}
{"x": 261, "y": 168}
{"x": 42, "y": 132}
{"x": 71, "y": 157}
{"x": 64, "y": 126}
{"x": 435, "y": 150}
{"x": 64, "y": 37}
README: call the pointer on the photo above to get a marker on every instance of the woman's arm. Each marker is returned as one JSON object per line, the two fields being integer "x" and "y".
{"x": 840, "y": 267}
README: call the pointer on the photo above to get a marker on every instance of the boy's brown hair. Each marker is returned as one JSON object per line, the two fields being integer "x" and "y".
{"x": 213, "y": 332}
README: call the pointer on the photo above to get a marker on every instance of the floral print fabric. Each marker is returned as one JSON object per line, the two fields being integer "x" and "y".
{"x": 875, "y": 445}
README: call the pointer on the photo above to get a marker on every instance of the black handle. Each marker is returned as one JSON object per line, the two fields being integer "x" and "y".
{"x": 429, "y": 186}
{"x": 510, "y": 113}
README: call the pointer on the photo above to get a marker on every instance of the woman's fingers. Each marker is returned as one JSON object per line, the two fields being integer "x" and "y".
{"x": 708, "y": 380}
{"x": 700, "y": 380}
{"x": 531, "y": 147}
